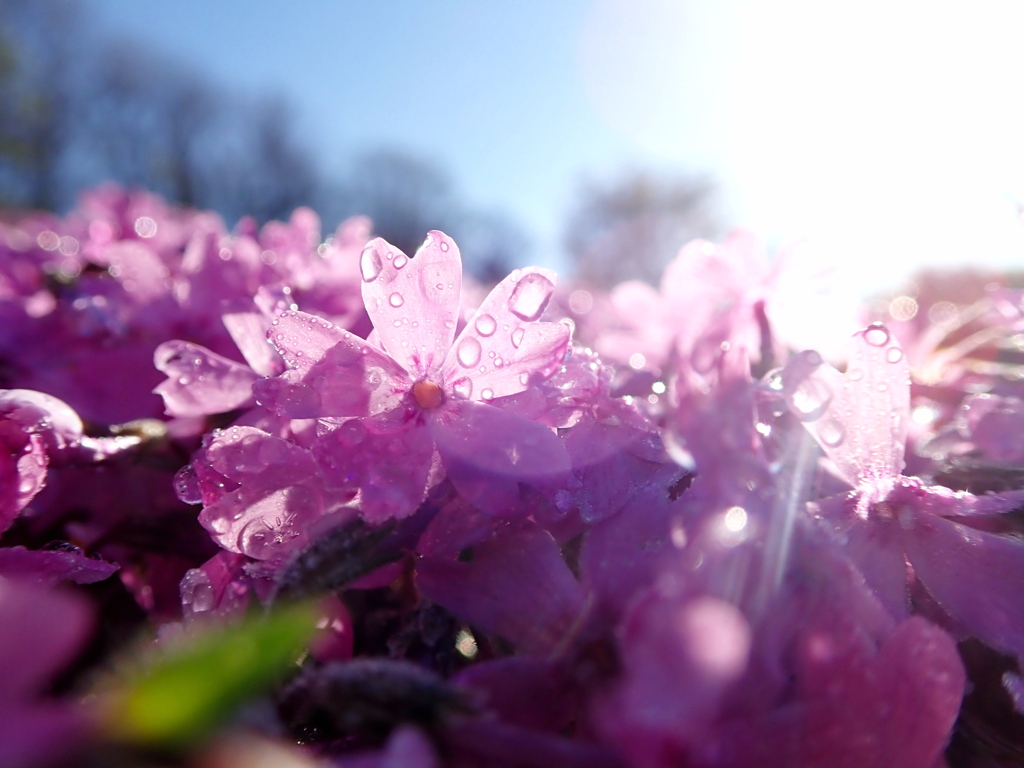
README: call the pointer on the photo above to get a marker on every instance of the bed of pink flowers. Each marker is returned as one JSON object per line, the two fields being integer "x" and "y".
{"x": 270, "y": 496}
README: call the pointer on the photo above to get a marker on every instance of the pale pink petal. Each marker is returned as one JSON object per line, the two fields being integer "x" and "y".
{"x": 332, "y": 372}
{"x": 859, "y": 418}
{"x": 200, "y": 382}
{"x": 249, "y": 332}
{"x": 413, "y": 303}
{"x": 503, "y": 349}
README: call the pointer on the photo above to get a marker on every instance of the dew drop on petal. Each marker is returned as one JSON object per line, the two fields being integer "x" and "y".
{"x": 811, "y": 399}
{"x": 396, "y": 300}
{"x": 486, "y": 325}
{"x": 498, "y": 362}
{"x": 463, "y": 387}
{"x": 894, "y": 354}
{"x": 524, "y": 378}
{"x": 401, "y": 260}
{"x": 186, "y": 485}
{"x": 855, "y": 374}
{"x": 517, "y": 337}
{"x": 444, "y": 246}
{"x": 832, "y": 433}
{"x": 370, "y": 265}
{"x": 530, "y": 296}
{"x": 876, "y": 335}
{"x": 468, "y": 352}
{"x": 440, "y": 286}
{"x": 675, "y": 446}
{"x": 487, "y": 394}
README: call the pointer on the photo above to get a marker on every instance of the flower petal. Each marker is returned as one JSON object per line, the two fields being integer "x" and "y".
{"x": 517, "y": 586}
{"x": 977, "y": 577}
{"x": 859, "y": 418}
{"x": 486, "y": 451}
{"x": 389, "y": 467}
{"x": 333, "y": 372}
{"x": 200, "y": 382}
{"x": 413, "y": 303}
{"x": 249, "y": 332}
{"x": 503, "y": 350}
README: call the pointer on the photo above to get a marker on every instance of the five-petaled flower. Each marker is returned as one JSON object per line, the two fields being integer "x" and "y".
{"x": 414, "y": 397}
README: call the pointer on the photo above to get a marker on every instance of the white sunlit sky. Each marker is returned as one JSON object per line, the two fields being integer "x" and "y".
{"x": 888, "y": 132}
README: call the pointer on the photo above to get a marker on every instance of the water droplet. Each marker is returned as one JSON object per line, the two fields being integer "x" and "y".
{"x": 675, "y": 445}
{"x": 530, "y": 296}
{"x": 876, "y": 335}
{"x": 486, "y": 325}
{"x": 894, "y": 354}
{"x": 444, "y": 246}
{"x": 186, "y": 485}
{"x": 468, "y": 352}
{"x": 401, "y": 260}
{"x": 197, "y": 592}
{"x": 811, "y": 399}
{"x": 487, "y": 394}
{"x": 440, "y": 286}
{"x": 498, "y": 362}
{"x": 517, "y": 337}
{"x": 832, "y": 433}
{"x": 370, "y": 265}
{"x": 524, "y": 378}
{"x": 396, "y": 300}
{"x": 463, "y": 388}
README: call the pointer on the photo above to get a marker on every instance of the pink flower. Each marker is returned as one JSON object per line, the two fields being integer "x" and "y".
{"x": 388, "y": 404}
{"x": 860, "y": 419}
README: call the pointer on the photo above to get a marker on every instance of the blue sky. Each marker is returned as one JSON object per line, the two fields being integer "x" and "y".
{"x": 887, "y": 131}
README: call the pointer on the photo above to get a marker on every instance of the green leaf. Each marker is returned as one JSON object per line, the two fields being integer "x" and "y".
{"x": 186, "y": 691}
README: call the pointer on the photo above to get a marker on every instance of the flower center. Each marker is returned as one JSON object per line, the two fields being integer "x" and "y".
{"x": 427, "y": 394}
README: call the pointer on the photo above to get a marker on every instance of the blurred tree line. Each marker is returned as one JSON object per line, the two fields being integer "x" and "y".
{"x": 77, "y": 109}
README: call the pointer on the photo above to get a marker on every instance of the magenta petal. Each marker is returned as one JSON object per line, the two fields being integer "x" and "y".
{"x": 42, "y": 630}
{"x": 280, "y": 493}
{"x": 875, "y": 546}
{"x": 517, "y": 586}
{"x": 679, "y": 658}
{"x": 50, "y": 567}
{"x": 41, "y": 734}
{"x": 486, "y": 450}
{"x": 624, "y": 553}
{"x": 894, "y": 708}
{"x": 502, "y": 349}
{"x": 200, "y": 382}
{"x": 524, "y": 691}
{"x": 977, "y": 577}
{"x": 414, "y": 303}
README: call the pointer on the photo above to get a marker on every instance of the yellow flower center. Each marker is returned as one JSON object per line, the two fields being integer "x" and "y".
{"x": 427, "y": 394}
